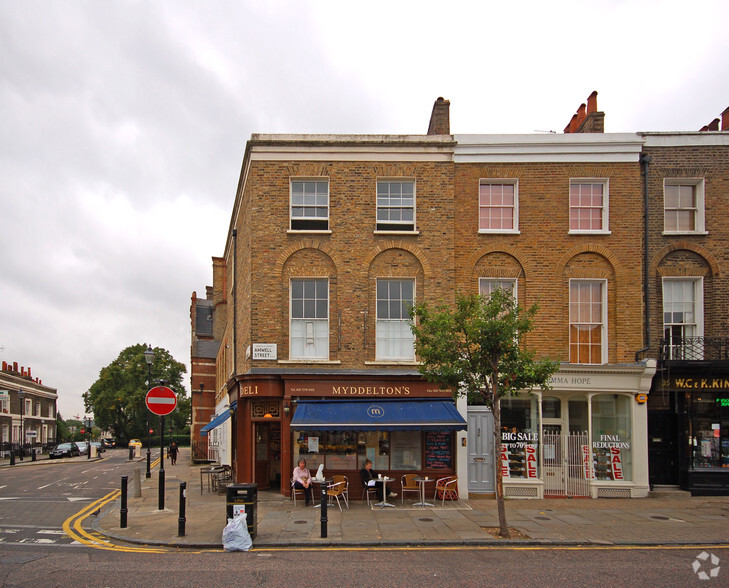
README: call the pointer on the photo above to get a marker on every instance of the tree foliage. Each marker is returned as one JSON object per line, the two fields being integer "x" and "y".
{"x": 477, "y": 347}
{"x": 117, "y": 397}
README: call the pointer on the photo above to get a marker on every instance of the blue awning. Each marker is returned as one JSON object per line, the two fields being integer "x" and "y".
{"x": 377, "y": 415}
{"x": 216, "y": 422}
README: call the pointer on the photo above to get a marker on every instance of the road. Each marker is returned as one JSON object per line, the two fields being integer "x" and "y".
{"x": 34, "y": 550}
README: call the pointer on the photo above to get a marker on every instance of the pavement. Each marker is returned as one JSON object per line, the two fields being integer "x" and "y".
{"x": 667, "y": 517}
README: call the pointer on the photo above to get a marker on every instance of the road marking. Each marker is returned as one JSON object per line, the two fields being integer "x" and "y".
{"x": 74, "y": 529}
{"x": 46, "y": 486}
{"x": 501, "y": 548}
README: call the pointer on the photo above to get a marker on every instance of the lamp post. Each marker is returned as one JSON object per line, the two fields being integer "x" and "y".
{"x": 88, "y": 431}
{"x": 21, "y": 396}
{"x": 149, "y": 358}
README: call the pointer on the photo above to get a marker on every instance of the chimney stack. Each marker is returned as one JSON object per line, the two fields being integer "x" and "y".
{"x": 714, "y": 125}
{"x": 588, "y": 119}
{"x": 725, "y": 120}
{"x": 440, "y": 122}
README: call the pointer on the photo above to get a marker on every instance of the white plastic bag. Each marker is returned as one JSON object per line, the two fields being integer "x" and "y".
{"x": 236, "y": 536}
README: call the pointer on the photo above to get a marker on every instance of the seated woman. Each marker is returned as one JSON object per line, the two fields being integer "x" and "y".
{"x": 368, "y": 474}
{"x": 302, "y": 479}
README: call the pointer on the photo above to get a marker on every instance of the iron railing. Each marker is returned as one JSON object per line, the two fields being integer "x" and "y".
{"x": 695, "y": 349}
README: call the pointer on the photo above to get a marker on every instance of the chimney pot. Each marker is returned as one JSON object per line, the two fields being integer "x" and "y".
{"x": 15, "y": 366}
{"x": 592, "y": 102}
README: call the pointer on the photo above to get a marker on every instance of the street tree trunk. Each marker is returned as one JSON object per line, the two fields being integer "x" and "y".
{"x": 503, "y": 529}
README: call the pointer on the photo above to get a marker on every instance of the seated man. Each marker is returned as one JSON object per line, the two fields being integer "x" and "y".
{"x": 369, "y": 478}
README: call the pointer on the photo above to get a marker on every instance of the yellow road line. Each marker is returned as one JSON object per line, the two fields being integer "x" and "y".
{"x": 74, "y": 529}
{"x": 500, "y": 548}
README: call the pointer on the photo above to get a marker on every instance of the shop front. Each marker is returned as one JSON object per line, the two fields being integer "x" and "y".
{"x": 400, "y": 423}
{"x": 586, "y": 436}
{"x": 694, "y": 410}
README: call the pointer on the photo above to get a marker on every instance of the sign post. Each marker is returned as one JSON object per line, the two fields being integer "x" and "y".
{"x": 161, "y": 401}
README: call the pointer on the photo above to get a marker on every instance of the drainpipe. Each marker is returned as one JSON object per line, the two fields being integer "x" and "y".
{"x": 235, "y": 287}
{"x": 644, "y": 162}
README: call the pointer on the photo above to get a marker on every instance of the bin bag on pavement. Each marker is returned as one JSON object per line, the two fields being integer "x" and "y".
{"x": 236, "y": 536}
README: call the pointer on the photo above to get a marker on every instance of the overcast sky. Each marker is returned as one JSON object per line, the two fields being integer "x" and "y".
{"x": 123, "y": 126}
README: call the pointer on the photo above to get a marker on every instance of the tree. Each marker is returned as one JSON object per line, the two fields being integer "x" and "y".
{"x": 117, "y": 397}
{"x": 477, "y": 347}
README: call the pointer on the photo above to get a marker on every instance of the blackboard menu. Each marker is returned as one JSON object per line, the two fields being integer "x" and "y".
{"x": 438, "y": 450}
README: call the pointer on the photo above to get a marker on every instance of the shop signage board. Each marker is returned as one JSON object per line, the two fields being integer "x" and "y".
{"x": 161, "y": 400}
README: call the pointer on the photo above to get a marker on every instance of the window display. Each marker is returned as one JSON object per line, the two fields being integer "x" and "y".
{"x": 710, "y": 427}
{"x": 611, "y": 437}
{"x": 520, "y": 437}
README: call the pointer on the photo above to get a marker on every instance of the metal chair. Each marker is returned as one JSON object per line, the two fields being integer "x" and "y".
{"x": 335, "y": 491}
{"x": 446, "y": 488}
{"x": 345, "y": 488}
{"x": 408, "y": 484}
{"x": 295, "y": 491}
{"x": 366, "y": 491}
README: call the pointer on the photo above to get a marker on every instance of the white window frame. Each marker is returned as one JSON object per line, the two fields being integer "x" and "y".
{"x": 386, "y": 327}
{"x": 28, "y": 408}
{"x": 313, "y": 330}
{"x": 303, "y": 205}
{"x": 603, "y": 320}
{"x": 487, "y": 285}
{"x": 605, "y": 230}
{"x": 514, "y": 209}
{"x": 697, "y": 325}
{"x": 395, "y": 226}
{"x": 697, "y": 184}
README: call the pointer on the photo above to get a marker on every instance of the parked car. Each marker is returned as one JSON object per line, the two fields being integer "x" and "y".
{"x": 99, "y": 446}
{"x": 82, "y": 447}
{"x": 135, "y": 443}
{"x": 108, "y": 442}
{"x": 64, "y": 450}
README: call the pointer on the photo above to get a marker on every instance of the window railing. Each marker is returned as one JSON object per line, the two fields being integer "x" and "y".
{"x": 695, "y": 349}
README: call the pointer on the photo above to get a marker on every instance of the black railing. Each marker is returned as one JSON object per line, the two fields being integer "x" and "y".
{"x": 695, "y": 349}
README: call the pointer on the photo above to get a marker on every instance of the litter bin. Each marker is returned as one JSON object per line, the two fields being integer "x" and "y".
{"x": 243, "y": 498}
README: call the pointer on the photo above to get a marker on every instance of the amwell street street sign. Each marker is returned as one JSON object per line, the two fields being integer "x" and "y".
{"x": 161, "y": 400}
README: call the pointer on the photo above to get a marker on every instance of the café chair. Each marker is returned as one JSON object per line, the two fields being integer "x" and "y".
{"x": 367, "y": 491}
{"x": 408, "y": 484}
{"x": 295, "y": 491}
{"x": 345, "y": 492}
{"x": 335, "y": 491}
{"x": 446, "y": 489}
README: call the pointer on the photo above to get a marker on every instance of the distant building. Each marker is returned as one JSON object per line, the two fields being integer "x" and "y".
{"x": 27, "y": 410}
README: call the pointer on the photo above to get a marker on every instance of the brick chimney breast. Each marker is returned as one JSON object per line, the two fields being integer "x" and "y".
{"x": 714, "y": 125}
{"x": 440, "y": 122}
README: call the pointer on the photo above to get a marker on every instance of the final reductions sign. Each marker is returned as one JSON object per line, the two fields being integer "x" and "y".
{"x": 161, "y": 400}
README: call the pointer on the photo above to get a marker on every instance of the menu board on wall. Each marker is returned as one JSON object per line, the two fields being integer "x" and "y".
{"x": 438, "y": 450}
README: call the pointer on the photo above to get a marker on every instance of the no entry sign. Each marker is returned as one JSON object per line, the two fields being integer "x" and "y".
{"x": 161, "y": 400}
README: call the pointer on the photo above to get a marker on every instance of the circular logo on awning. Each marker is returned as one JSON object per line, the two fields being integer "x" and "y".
{"x": 375, "y": 411}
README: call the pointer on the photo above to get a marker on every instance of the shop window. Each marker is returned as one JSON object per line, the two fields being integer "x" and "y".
{"x": 340, "y": 450}
{"x": 520, "y": 438}
{"x": 407, "y": 450}
{"x": 375, "y": 446}
{"x": 710, "y": 424}
{"x": 551, "y": 408}
{"x": 612, "y": 448}
{"x": 309, "y": 446}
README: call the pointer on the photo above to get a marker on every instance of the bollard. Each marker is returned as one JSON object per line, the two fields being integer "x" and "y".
{"x": 136, "y": 484}
{"x": 324, "y": 518}
{"x": 181, "y": 519}
{"x": 123, "y": 509}
{"x": 32, "y": 454}
{"x": 131, "y": 453}
{"x": 12, "y": 458}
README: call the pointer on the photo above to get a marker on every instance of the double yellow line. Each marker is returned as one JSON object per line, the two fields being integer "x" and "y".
{"x": 73, "y": 527}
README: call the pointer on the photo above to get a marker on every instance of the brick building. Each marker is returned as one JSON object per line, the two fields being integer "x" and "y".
{"x": 332, "y": 235}
{"x": 557, "y": 219}
{"x": 687, "y": 198}
{"x": 27, "y": 411}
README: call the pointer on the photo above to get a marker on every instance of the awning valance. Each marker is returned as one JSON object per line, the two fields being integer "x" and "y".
{"x": 217, "y": 421}
{"x": 377, "y": 415}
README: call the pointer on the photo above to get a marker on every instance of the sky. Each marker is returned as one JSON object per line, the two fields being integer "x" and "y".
{"x": 123, "y": 126}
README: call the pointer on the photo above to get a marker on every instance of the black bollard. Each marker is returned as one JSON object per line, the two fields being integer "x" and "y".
{"x": 324, "y": 518}
{"x": 32, "y": 454}
{"x": 131, "y": 453}
{"x": 181, "y": 519}
{"x": 12, "y": 458}
{"x": 123, "y": 510}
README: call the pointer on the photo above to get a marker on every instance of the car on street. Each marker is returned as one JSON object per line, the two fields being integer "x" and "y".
{"x": 99, "y": 446}
{"x": 64, "y": 450}
{"x": 135, "y": 443}
{"x": 82, "y": 447}
{"x": 108, "y": 442}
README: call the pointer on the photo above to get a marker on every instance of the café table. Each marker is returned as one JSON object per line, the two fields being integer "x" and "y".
{"x": 384, "y": 482}
{"x": 421, "y": 483}
{"x": 210, "y": 472}
{"x": 322, "y": 484}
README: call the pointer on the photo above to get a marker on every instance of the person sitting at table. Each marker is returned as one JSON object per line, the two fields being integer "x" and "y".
{"x": 302, "y": 479}
{"x": 369, "y": 475}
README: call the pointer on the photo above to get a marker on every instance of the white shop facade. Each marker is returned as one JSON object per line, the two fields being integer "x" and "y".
{"x": 586, "y": 436}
